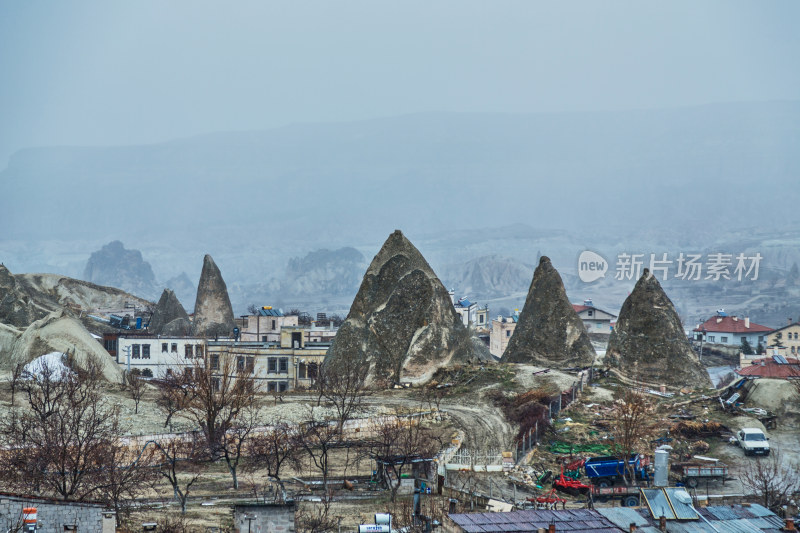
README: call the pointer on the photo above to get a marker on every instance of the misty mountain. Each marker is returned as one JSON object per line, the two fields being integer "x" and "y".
{"x": 487, "y": 277}
{"x": 329, "y": 272}
{"x": 114, "y": 266}
{"x": 683, "y": 168}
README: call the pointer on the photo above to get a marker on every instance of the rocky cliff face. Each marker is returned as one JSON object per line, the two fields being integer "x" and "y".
{"x": 17, "y": 306}
{"x": 402, "y": 323}
{"x": 323, "y": 272}
{"x": 213, "y": 314}
{"x": 549, "y": 332}
{"x": 488, "y": 276}
{"x": 169, "y": 317}
{"x": 649, "y": 344}
{"x": 115, "y": 266}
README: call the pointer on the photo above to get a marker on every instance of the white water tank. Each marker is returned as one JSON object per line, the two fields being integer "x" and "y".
{"x": 661, "y": 474}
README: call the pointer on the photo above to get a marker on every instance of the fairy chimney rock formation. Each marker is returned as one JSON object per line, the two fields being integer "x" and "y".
{"x": 648, "y": 343}
{"x": 169, "y": 318}
{"x": 213, "y": 313}
{"x": 549, "y": 331}
{"x": 402, "y": 323}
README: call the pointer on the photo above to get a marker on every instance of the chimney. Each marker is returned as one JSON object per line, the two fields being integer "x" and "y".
{"x": 551, "y": 528}
{"x": 735, "y": 318}
{"x": 662, "y": 523}
{"x": 747, "y": 322}
{"x": 632, "y": 527}
{"x": 719, "y": 319}
{"x": 789, "y": 320}
{"x": 789, "y": 525}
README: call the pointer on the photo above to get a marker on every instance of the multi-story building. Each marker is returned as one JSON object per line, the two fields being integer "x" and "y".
{"x": 502, "y": 330}
{"x": 731, "y": 330}
{"x": 288, "y": 364}
{"x": 594, "y": 320}
{"x": 265, "y": 325}
{"x": 787, "y": 337}
{"x": 153, "y": 355}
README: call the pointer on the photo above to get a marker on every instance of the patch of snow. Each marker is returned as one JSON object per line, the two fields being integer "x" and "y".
{"x": 53, "y": 361}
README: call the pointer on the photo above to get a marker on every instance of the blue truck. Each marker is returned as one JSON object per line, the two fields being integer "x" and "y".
{"x": 605, "y": 471}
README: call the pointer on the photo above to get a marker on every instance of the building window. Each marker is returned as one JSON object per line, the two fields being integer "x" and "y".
{"x": 215, "y": 383}
{"x": 215, "y": 361}
{"x": 135, "y": 351}
{"x": 271, "y": 386}
{"x": 590, "y": 312}
{"x": 761, "y": 338}
{"x": 198, "y": 350}
{"x": 188, "y": 371}
{"x": 282, "y": 386}
{"x": 263, "y": 338}
{"x": 744, "y": 340}
{"x": 795, "y": 336}
{"x": 508, "y": 333}
{"x": 792, "y": 349}
{"x": 724, "y": 339}
{"x": 164, "y": 348}
{"x": 272, "y": 365}
{"x": 145, "y": 351}
{"x": 711, "y": 338}
{"x": 251, "y": 364}
{"x": 284, "y": 365}
{"x": 273, "y": 324}
{"x": 187, "y": 351}
{"x": 174, "y": 347}
{"x": 240, "y": 363}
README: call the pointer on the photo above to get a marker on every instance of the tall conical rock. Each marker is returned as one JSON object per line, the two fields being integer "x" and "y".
{"x": 648, "y": 343}
{"x": 549, "y": 331}
{"x": 402, "y": 323}
{"x": 170, "y": 317}
{"x": 213, "y": 313}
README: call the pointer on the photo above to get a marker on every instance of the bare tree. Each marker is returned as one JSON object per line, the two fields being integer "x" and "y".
{"x": 16, "y": 374}
{"x": 397, "y": 444}
{"x": 273, "y": 449}
{"x": 344, "y": 385}
{"x": 318, "y": 438}
{"x": 128, "y": 474}
{"x": 218, "y": 401}
{"x": 632, "y": 426}
{"x": 772, "y": 479}
{"x": 182, "y": 465}
{"x": 57, "y": 446}
{"x": 136, "y": 388}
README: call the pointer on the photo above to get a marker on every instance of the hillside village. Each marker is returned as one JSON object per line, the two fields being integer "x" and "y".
{"x": 420, "y": 408}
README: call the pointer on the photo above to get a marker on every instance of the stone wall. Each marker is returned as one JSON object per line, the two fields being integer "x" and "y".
{"x": 265, "y": 517}
{"x": 53, "y": 515}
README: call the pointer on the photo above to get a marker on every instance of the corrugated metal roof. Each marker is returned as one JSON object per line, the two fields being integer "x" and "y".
{"x": 622, "y": 516}
{"x": 572, "y": 520}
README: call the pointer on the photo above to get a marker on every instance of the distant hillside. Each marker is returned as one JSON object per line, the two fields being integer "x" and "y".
{"x": 681, "y": 168}
{"x": 487, "y": 277}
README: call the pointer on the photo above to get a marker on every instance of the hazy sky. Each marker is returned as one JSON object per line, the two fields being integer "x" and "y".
{"x": 114, "y": 72}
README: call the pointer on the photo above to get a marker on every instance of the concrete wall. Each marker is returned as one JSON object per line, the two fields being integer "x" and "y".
{"x": 265, "y": 518}
{"x": 160, "y": 360}
{"x": 53, "y": 515}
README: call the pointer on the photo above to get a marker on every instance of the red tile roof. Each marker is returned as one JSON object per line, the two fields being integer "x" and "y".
{"x": 771, "y": 369}
{"x": 730, "y": 324}
{"x": 579, "y": 308}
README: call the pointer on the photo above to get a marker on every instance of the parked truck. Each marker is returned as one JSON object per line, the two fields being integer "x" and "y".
{"x": 606, "y": 471}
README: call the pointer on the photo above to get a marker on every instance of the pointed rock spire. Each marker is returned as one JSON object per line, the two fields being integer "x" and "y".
{"x": 648, "y": 343}
{"x": 549, "y": 331}
{"x": 402, "y": 323}
{"x": 213, "y": 313}
{"x": 170, "y": 317}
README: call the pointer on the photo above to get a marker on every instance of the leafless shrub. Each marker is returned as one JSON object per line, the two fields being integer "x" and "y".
{"x": 773, "y": 479}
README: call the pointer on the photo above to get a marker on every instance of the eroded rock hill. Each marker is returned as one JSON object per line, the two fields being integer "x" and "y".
{"x": 549, "y": 331}
{"x": 169, "y": 317}
{"x": 213, "y": 314}
{"x": 115, "y": 266}
{"x": 402, "y": 323}
{"x": 648, "y": 343}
